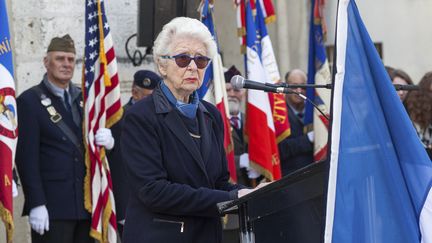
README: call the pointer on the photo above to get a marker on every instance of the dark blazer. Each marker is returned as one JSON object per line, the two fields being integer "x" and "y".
{"x": 295, "y": 151}
{"x": 174, "y": 186}
{"x": 118, "y": 169}
{"x": 50, "y": 166}
{"x": 240, "y": 147}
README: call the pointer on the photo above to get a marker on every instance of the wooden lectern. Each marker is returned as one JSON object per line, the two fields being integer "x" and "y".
{"x": 288, "y": 210}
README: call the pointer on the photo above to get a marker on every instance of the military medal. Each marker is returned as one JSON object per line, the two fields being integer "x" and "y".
{"x": 46, "y": 101}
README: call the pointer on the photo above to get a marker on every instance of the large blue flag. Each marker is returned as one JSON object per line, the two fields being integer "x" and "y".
{"x": 380, "y": 175}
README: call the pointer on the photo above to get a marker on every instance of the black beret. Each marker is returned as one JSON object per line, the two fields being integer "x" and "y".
{"x": 64, "y": 43}
{"x": 232, "y": 71}
{"x": 146, "y": 79}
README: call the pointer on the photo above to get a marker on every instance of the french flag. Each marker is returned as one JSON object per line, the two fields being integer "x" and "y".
{"x": 380, "y": 175}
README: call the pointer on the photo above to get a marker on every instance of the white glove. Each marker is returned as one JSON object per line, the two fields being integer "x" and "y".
{"x": 244, "y": 160}
{"x": 253, "y": 174}
{"x": 311, "y": 136}
{"x": 104, "y": 138}
{"x": 14, "y": 189}
{"x": 38, "y": 219}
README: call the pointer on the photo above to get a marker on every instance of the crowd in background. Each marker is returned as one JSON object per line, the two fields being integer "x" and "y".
{"x": 417, "y": 102}
{"x": 44, "y": 148}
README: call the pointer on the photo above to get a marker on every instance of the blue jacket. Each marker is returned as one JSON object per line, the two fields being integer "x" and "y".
{"x": 50, "y": 166}
{"x": 174, "y": 186}
{"x": 118, "y": 169}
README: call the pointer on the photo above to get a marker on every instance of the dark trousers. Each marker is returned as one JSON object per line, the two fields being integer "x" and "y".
{"x": 65, "y": 231}
{"x": 231, "y": 236}
{"x": 120, "y": 230}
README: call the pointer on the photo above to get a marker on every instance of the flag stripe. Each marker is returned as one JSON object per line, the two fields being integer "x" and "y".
{"x": 102, "y": 108}
{"x": 260, "y": 129}
{"x": 341, "y": 39}
{"x": 380, "y": 174}
{"x": 213, "y": 90}
{"x": 8, "y": 124}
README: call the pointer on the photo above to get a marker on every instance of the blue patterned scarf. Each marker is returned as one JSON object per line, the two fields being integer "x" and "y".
{"x": 187, "y": 109}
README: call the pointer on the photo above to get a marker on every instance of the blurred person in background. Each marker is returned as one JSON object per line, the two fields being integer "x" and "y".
{"x": 419, "y": 106}
{"x": 296, "y": 151}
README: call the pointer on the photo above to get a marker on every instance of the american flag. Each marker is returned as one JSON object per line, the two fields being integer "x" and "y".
{"x": 102, "y": 108}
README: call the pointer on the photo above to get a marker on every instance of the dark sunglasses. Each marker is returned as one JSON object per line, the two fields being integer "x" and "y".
{"x": 183, "y": 60}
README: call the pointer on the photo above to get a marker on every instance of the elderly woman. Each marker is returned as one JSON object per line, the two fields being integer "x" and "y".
{"x": 173, "y": 146}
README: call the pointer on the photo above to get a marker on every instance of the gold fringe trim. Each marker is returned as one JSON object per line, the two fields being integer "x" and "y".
{"x": 115, "y": 118}
{"x": 87, "y": 187}
{"x": 225, "y": 220}
{"x": 7, "y": 219}
{"x": 102, "y": 238}
{"x": 96, "y": 235}
{"x": 241, "y": 32}
{"x": 308, "y": 128}
{"x": 243, "y": 49}
{"x": 229, "y": 148}
{"x": 266, "y": 173}
{"x": 283, "y": 135}
{"x": 270, "y": 19}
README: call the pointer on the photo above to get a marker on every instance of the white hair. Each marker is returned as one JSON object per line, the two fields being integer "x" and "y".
{"x": 182, "y": 27}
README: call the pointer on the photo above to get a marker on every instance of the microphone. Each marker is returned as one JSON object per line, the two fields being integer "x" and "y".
{"x": 406, "y": 87}
{"x": 238, "y": 82}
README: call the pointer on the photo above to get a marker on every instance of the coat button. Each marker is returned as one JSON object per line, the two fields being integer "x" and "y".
{"x": 76, "y": 159}
{"x": 64, "y": 138}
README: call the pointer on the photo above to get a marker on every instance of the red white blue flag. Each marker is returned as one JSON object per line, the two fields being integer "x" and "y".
{"x": 8, "y": 123}
{"x": 102, "y": 108}
{"x": 260, "y": 128}
{"x": 318, "y": 73}
{"x": 213, "y": 88}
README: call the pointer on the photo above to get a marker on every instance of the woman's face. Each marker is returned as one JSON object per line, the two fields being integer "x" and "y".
{"x": 184, "y": 81}
{"x": 402, "y": 93}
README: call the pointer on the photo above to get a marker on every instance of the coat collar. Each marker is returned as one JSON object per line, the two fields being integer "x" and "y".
{"x": 173, "y": 122}
{"x": 73, "y": 90}
{"x": 162, "y": 104}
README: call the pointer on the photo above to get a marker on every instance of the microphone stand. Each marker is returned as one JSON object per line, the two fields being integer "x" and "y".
{"x": 304, "y": 86}
{"x": 310, "y": 101}
{"x": 287, "y": 89}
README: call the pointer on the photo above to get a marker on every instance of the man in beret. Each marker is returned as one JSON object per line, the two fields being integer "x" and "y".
{"x": 50, "y": 150}
{"x": 143, "y": 84}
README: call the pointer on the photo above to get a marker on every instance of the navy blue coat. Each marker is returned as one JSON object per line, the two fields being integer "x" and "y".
{"x": 295, "y": 151}
{"x": 174, "y": 186}
{"x": 50, "y": 166}
{"x": 118, "y": 169}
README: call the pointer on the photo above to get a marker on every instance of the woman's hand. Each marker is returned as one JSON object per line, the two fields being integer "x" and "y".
{"x": 263, "y": 184}
{"x": 244, "y": 192}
